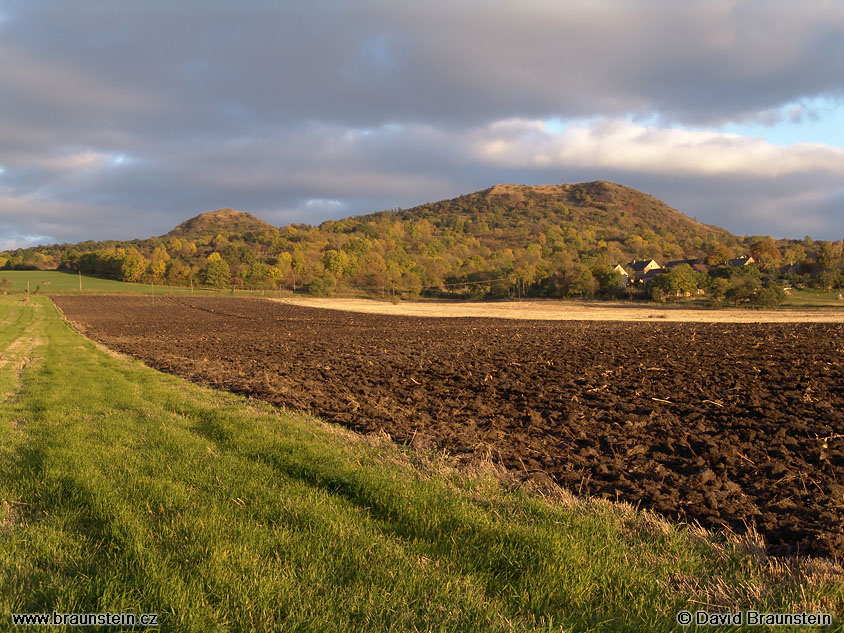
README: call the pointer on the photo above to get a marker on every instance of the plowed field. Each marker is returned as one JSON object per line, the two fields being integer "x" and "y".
{"x": 725, "y": 424}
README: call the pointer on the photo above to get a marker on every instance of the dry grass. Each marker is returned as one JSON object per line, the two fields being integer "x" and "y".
{"x": 505, "y": 189}
{"x": 568, "y": 311}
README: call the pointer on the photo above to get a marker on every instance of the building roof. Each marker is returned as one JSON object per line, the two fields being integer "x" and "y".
{"x": 639, "y": 265}
{"x": 744, "y": 260}
{"x": 679, "y": 262}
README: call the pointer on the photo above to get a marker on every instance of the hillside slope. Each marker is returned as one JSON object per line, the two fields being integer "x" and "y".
{"x": 599, "y": 211}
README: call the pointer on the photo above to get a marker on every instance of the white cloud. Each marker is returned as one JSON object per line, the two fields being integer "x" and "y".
{"x": 66, "y": 161}
{"x": 620, "y": 144}
{"x": 23, "y": 241}
{"x": 323, "y": 203}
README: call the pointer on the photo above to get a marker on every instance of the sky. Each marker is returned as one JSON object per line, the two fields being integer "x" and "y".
{"x": 118, "y": 120}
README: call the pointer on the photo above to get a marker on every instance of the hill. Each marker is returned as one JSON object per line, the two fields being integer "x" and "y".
{"x": 227, "y": 221}
{"x": 508, "y": 240}
{"x": 610, "y": 212}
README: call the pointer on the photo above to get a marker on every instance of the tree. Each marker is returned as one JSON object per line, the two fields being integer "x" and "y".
{"x": 132, "y": 265}
{"x": 718, "y": 287}
{"x": 258, "y": 276}
{"x": 766, "y": 253}
{"x": 768, "y": 297}
{"x": 576, "y": 280}
{"x": 411, "y": 284}
{"x": 679, "y": 281}
{"x": 719, "y": 254}
{"x": 610, "y": 282}
{"x": 158, "y": 262}
{"x": 323, "y": 286}
{"x": 276, "y": 275}
{"x": 742, "y": 288}
{"x": 370, "y": 271}
{"x": 177, "y": 273}
{"x": 216, "y": 272}
{"x": 830, "y": 255}
{"x": 336, "y": 262}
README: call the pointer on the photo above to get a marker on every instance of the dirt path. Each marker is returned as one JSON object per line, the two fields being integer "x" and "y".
{"x": 569, "y": 311}
{"x": 21, "y": 352}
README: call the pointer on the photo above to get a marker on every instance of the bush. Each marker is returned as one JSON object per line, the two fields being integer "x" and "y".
{"x": 323, "y": 286}
{"x": 743, "y": 288}
{"x": 768, "y": 297}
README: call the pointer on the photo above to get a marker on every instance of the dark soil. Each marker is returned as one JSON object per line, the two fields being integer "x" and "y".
{"x": 717, "y": 423}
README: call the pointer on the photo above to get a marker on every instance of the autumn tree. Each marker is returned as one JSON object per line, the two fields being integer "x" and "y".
{"x": 216, "y": 272}
{"x": 370, "y": 271}
{"x": 158, "y": 263}
{"x": 765, "y": 252}
{"x": 177, "y": 274}
{"x": 132, "y": 265}
{"x": 336, "y": 262}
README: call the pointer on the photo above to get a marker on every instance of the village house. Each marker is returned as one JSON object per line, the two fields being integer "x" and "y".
{"x": 641, "y": 267}
{"x": 694, "y": 264}
{"x": 649, "y": 276}
{"x": 744, "y": 260}
{"x": 625, "y": 278}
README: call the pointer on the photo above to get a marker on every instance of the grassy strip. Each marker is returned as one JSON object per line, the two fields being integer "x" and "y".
{"x": 59, "y": 282}
{"x": 123, "y": 489}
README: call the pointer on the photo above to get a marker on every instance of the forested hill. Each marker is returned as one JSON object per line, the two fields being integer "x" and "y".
{"x": 550, "y": 240}
{"x": 588, "y": 215}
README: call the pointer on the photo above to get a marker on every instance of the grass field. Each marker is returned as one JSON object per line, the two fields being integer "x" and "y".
{"x": 57, "y": 282}
{"x": 124, "y": 489}
{"x": 812, "y": 297}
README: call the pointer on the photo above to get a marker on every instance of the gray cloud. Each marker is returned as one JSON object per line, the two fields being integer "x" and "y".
{"x": 121, "y": 120}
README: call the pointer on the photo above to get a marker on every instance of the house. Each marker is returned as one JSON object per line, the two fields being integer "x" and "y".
{"x": 649, "y": 276}
{"x": 641, "y": 267}
{"x": 744, "y": 260}
{"x": 694, "y": 264}
{"x": 625, "y": 278}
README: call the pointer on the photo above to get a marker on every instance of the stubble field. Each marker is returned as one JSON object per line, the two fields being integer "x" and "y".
{"x": 725, "y": 424}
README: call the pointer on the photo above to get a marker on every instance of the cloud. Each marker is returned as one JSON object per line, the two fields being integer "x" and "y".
{"x": 121, "y": 123}
{"x": 364, "y": 63}
{"x": 323, "y": 172}
{"x": 623, "y": 145}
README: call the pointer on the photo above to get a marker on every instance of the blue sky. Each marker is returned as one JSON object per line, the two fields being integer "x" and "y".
{"x": 119, "y": 120}
{"x": 818, "y": 120}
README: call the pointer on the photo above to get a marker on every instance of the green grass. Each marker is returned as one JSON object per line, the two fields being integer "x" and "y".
{"x": 124, "y": 489}
{"x": 58, "y": 282}
{"x": 813, "y": 298}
